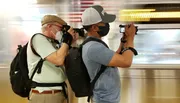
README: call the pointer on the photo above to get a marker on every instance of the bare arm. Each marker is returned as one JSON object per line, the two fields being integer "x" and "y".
{"x": 122, "y": 45}
{"x": 124, "y": 60}
{"x": 58, "y": 56}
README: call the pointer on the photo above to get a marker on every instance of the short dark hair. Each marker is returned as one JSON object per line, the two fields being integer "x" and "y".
{"x": 87, "y": 28}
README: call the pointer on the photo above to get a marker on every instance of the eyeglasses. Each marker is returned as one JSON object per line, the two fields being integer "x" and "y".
{"x": 59, "y": 26}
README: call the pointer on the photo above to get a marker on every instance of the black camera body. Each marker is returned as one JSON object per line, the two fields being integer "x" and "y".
{"x": 122, "y": 28}
{"x": 80, "y": 31}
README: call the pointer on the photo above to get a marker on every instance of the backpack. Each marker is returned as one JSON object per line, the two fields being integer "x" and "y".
{"x": 77, "y": 73}
{"x": 19, "y": 79}
{"x": 20, "y": 82}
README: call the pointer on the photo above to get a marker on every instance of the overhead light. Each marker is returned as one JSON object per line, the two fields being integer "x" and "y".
{"x": 137, "y": 10}
{"x": 145, "y": 14}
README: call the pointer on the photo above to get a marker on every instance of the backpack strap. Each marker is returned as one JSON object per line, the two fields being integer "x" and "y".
{"x": 63, "y": 84}
{"x": 103, "y": 67}
{"x": 94, "y": 39}
{"x": 32, "y": 48}
{"x": 48, "y": 38}
{"x": 38, "y": 66}
{"x": 35, "y": 84}
{"x": 34, "y": 51}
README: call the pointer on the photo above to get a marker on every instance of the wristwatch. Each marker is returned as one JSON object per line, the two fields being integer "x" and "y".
{"x": 123, "y": 40}
{"x": 129, "y": 48}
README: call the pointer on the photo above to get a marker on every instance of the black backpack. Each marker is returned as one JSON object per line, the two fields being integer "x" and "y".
{"x": 76, "y": 71}
{"x": 20, "y": 82}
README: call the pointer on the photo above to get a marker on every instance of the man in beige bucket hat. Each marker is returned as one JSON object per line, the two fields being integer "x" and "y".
{"x": 52, "y": 49}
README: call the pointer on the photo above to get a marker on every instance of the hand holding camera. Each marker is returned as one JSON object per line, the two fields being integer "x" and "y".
{"x": 74, "y": 34}
{"x": 80, "y": 31}
{"x": 69, "y": 35}
{"x": 122, "y": 28}
{"x": 128, "y": 31}
{"x": 128, "y": 38}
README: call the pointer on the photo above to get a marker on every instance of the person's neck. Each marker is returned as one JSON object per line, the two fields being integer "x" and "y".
{"x": 92, "y": 34}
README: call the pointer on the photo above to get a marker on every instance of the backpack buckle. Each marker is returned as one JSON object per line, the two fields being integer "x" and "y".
{"x": 33, "y": 84}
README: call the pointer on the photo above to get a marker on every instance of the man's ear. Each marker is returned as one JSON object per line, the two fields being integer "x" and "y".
{"x": 95, "y": 28}
{"x": 48, "y": 26}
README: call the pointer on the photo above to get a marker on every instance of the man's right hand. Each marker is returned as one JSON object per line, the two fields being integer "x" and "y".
{"x": 130, "y": 31}
{"x": 74, "y": 34}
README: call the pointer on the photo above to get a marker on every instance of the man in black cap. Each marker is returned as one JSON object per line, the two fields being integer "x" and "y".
{"x": 96, "y": 22}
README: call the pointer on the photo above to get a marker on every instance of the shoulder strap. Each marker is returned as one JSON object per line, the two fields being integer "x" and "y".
{"x": 32, "y": 48}
{"x": 39, "y": 64}
{"x": 94, "y": 39}
{"x": 103, "y": 67}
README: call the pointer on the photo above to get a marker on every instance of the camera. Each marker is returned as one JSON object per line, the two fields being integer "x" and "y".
{"x": 122, "y": 28}
{"x": 80, "y": 31}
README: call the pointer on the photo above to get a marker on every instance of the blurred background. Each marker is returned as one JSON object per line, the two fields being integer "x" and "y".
{"x": 154, "y": 75}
